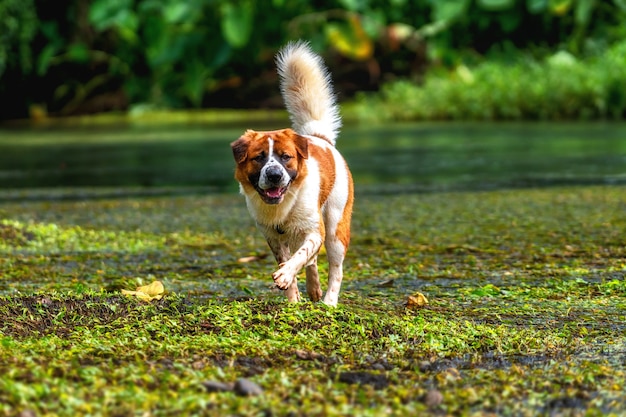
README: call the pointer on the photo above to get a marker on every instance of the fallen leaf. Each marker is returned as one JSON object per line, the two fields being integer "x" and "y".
{"x": 417, "y": 300}
{"x": 247, "y": 259}
{"x": 252, "y": 258}
{"x": 153, "y": 291}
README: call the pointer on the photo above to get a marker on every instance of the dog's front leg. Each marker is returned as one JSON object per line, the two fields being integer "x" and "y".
{"x": 281, "y": 254}
{"x": 303, "y": 256}
{"x": 279, "y": 249}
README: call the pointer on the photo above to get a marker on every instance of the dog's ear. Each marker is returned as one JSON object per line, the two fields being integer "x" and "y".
{"x": 240, "y": 148}
{"x": 302, "y": 146}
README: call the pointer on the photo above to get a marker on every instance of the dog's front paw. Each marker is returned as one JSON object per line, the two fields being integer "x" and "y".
{"x": 284, "y": 276}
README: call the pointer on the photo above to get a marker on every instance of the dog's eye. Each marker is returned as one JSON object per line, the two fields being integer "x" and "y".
{"x": 259, "y": 158}
{"x": 285, "y": 157}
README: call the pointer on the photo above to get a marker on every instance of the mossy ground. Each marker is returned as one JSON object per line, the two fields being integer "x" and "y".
{"x": 527, "y": 311}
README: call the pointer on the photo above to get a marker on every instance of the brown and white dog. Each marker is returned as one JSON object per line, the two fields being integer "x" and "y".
{"x": 297, "y": 186}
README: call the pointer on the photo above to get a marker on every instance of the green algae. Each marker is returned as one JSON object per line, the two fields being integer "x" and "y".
{"x": 526, "y": 312}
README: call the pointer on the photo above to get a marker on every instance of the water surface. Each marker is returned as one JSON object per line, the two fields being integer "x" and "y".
{"x": 391, "y": 158}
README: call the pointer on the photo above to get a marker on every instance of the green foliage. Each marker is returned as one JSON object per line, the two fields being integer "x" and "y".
{"x": 172, "y": 39}
{"x": 173, "y": 54}
{"x": 18, "y": 24}
{"x": 237, "y": 22}
{"x": 560, "y": 87}
{"x": 49, "y": 238}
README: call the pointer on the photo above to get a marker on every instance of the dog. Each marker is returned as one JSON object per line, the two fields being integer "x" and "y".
{"x": 297, "y": 186}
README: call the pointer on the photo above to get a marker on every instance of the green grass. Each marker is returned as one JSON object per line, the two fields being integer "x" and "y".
{"x": 560, "y": 88}
{"x": 526, "y": 313}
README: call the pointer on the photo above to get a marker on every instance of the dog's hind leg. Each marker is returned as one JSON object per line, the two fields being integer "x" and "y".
{"x": 336, "y": 252}
{"x": 313, "y": 288}
{"x": 293, "y": 295}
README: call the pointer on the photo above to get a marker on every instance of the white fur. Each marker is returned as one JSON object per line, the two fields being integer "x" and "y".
{"x": 295, "y": 223}
{"x": 297, "y": 207}
{"x": 271, "y": 162}
{"x": 301, "y": 223}
{"x": 306, "y": 87}
{"x": 333, "y": 211}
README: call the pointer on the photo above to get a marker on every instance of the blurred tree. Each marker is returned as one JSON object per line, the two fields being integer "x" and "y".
{"x": 18, "y": 24}
{"x": 77, "y": 56}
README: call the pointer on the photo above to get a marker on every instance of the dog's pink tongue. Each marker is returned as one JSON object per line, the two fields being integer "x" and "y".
{"x": 273, "y": 192}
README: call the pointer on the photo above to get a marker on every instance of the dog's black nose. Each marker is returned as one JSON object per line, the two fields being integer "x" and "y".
{"x": 274, "y": 174}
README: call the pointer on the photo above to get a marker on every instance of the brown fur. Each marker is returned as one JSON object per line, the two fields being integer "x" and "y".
{"x": 300, "y": 195}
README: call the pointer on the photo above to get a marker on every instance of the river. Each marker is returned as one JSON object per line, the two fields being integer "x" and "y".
{"x": 394, "y": 158}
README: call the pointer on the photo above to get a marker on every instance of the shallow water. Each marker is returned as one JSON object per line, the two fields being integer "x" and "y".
{"x": 394, "y": 158}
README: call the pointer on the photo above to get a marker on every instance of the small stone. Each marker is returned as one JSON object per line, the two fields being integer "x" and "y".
{"x": 306, "y": 355}
{"x": 302, "y": 354}
{"x": 46, "y": 302}
{"x": 215, "y": 386}
{"x": 27, "y": 413}
{"x": 425, "y": 366}
{"x": 378, "y": 381}
{"x": 247, "y": 388}
{"x": 433, "y": 398}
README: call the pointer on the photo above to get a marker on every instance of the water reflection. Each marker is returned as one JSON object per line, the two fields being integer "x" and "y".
{"x": 383, "y": 158}
{"x": 477, "y": 156}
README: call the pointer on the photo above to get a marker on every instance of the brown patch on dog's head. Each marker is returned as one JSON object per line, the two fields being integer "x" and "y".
{"x": 240, "y": 147}
{"x": 270, "y": 162}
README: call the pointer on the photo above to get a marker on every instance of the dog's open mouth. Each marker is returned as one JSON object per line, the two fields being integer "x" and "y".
{"x": 272, "y": 195}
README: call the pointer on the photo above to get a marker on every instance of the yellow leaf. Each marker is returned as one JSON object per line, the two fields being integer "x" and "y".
{"x": 350, "y": 39}
{"x": 560, "y": 7}
{"x": 417, "y": 300}
{"x": 153, "y": 291}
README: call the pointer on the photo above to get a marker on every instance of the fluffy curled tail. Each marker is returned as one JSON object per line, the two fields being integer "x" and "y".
{"x": 307, "y": 91}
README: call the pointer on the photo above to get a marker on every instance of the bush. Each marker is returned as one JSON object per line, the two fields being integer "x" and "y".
{"x": 560, "y": 87}
{"x": 67, "y": 57}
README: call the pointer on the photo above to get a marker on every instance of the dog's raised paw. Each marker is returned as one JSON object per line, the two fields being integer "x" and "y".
{"x": 283, "y": 277}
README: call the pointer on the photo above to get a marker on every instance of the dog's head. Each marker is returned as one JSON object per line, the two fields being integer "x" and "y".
{"x": 269, "y": 162}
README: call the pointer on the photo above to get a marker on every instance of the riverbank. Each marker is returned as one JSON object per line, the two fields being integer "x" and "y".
{"x": 559, "y": 87}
